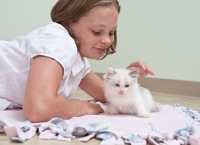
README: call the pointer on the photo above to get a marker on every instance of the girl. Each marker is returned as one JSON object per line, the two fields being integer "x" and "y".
{"x": 41, "y": 71}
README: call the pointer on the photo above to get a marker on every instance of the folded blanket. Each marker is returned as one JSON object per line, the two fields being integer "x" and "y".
{"x": 171, "y": 125}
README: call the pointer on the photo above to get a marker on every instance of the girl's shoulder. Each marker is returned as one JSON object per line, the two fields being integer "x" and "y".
{"x": 54, "y": 41}
{"x": 52, "y": 36}
{"x": 50, "y": 29}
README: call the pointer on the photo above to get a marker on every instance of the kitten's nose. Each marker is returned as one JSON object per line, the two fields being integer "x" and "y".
{"x": 121, "y": 92}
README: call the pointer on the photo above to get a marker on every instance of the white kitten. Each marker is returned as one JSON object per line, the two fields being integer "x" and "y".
{"x": 124, "y": 95}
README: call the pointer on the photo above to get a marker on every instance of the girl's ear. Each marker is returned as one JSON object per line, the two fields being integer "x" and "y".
{"x": 65, "y": 24}
{"x": 110, "y": 72}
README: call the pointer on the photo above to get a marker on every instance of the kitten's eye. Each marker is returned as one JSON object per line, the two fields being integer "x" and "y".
{"x": 117, "y": 85}
{"x": 126, "y": 86}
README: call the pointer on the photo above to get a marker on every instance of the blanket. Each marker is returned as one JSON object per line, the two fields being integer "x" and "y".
{"x": 172, "y": 125}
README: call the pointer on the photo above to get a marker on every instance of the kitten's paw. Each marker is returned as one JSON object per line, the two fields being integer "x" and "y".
{"x": 144, "y": 115}
{"x": 112, "y": 112}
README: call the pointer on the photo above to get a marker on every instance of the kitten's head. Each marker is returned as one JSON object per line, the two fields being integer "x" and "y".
{"x": 120, "y": 81}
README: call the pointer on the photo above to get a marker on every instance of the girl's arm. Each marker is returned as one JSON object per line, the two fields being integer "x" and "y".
{"x": 93, "y": 86}
{"x": 42, "y": 103}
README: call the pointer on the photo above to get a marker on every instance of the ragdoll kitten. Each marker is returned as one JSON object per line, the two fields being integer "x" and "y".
{"x": 124, "y": 95}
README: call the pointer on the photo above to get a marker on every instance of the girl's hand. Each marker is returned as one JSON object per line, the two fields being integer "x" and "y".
{"x": 144, "y": 69}
{"x": 93, "y": 108}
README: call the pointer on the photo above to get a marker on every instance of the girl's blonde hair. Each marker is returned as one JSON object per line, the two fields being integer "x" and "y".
{"x": 72, "y": 10}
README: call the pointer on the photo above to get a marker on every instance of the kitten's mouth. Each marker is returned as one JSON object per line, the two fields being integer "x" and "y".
{"x": 121, "y": 93}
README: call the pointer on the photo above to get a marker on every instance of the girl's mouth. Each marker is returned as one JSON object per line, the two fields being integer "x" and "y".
{"x": 101, "y": 50}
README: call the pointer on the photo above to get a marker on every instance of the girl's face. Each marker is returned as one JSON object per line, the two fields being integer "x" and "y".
{"x": 95, "y": 31}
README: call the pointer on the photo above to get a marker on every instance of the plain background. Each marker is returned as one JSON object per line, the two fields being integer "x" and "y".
{"x": 164, "y": 34}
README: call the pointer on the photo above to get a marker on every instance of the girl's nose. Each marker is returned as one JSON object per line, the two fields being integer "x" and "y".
{"x": 106, "y": 40}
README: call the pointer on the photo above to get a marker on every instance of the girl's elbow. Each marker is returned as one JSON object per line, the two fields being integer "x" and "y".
{"x": 34, "y": 114}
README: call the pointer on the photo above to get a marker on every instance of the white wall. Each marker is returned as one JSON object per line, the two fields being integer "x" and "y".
{"x": 165, "y": 34}
{"x": 19, "y": 17}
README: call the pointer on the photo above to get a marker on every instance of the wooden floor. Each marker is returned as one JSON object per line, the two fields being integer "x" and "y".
{"x": 187, "y": 101}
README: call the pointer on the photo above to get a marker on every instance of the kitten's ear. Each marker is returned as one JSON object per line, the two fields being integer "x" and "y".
{"x": 134, "y": 73}
{"x": 110, "y": 72}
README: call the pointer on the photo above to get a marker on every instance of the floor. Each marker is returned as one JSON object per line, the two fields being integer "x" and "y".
{"x": 187, "y": 101}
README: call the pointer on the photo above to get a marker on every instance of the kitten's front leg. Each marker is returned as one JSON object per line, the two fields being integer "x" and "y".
{"x": 142, "y": 112}
{"x": 110, "y": 109}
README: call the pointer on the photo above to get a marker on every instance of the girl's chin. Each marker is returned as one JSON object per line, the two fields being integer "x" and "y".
{"x": 100, "y": 56}
{"x": 96, "y": 56}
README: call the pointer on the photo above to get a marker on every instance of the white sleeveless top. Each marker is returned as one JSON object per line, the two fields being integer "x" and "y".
{"x": 53, "y": 41}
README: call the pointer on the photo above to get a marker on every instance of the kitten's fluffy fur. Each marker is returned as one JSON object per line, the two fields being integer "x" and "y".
{"x": 124, "y": 95}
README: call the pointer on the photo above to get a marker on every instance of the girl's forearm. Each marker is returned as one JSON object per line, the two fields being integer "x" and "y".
{"x": 59, "y": 107}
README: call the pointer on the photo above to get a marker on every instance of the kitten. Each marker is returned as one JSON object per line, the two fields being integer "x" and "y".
{"x": 124, "y": 95}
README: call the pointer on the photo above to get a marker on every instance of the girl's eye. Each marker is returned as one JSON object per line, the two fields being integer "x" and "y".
{"x": 117, "y": 85}
{"x": 96, "y": 32}
{"x": 126, "y": 86}
{"x": 111, "y": 34}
